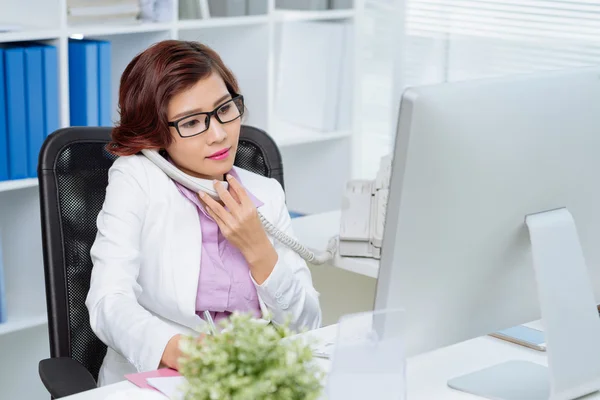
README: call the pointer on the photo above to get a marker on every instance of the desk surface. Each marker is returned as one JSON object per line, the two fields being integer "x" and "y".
{"x": 427, "y": 374}
{"x": 314, "y": 232}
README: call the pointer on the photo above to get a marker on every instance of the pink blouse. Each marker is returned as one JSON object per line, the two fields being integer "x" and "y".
{"x": 224, "y": 285}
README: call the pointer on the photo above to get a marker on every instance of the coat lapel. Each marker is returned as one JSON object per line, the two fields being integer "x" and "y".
{"x": 185, "y": 253}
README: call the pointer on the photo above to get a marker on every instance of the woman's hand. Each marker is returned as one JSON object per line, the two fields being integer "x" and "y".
{"x": 172, "y": 353}
{"x": 241, "y": 226}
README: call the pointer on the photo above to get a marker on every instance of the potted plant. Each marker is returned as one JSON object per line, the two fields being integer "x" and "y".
{"x": 249, "y": 360}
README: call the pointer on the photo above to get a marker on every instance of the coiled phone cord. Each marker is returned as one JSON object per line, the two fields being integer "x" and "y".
{"x": 307, "y": 255}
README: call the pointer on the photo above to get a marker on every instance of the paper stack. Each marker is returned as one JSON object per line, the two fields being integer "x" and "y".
{"x": 169, "y": 386}
{"x": 96, "y": 11}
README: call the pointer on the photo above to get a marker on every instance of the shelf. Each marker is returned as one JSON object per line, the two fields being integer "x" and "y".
{"x": 29, "y": 35}
{"x": 117, "y": 29}
{"x": 18, "y": 184}
{"x": 18, "y": 324}
{"x": 222, "y": 22}
{"x": 286, "y": 134}
{"x": 293, "y": 15}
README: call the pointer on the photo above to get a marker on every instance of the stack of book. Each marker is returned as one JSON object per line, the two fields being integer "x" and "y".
{"x": 95, "y": 11}
{"x": 90, "y": 82}
{"x": 28, "y": 106}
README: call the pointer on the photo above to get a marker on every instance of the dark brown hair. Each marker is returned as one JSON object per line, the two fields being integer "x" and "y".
{"x": 149, "y": 82}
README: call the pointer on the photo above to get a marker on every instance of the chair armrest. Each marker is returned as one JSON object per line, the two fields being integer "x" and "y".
{"x": 64, "y": 376}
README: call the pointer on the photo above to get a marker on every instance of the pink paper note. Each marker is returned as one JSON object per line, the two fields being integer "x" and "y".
{"x": 140, "y": 379}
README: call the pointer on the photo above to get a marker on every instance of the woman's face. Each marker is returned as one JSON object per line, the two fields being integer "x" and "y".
{"x": 210, "y": 154}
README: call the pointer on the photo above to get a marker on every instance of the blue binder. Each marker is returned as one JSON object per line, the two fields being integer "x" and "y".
{"x": 34, "y": 99}
{"x": 14, "y": 81}
{"x": 83, "y": 82}
{"x": 3, "y": 133}
{"x": 51, "y": 110}
{"x": 104, "y": 84}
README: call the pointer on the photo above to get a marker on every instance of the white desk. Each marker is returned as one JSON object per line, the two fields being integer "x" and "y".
{"x": 427, "y": 373}
{"x": 314, "y": 232}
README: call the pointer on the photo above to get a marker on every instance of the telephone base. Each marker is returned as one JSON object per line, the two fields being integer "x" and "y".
{"x": 363, "y": 214}
{"x": 355, "y": 248}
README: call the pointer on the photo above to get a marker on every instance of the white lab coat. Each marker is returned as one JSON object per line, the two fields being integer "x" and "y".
{"x": 146, "y": 265}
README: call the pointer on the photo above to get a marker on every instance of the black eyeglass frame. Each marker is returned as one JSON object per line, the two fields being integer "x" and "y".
{"x": 209, "y": 116}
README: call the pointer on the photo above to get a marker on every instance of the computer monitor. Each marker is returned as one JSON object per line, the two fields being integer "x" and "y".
{"x": 472, "y": 160}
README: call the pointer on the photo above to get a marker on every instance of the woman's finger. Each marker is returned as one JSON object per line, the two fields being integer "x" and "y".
{"x": 226, "y": 197}
{"x": 234, "y": 195}
{"x": 223, "y": 226}
{"x": 216, "y": 210}
{"x": 239, "y": 191}
{"x": 213, "y": 214}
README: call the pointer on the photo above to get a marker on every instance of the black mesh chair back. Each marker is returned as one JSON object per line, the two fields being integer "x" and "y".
{"x": 73, "y": 174}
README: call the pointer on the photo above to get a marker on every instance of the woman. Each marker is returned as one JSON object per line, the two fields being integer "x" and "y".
{"x": 163, "y": 254}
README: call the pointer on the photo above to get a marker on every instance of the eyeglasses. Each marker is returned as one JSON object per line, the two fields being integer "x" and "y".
{"x": 198, "y": 123}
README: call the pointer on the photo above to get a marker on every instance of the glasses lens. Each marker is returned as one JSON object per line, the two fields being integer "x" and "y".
{"x": 192, "y": 125}
{"x": 231, "y": 110}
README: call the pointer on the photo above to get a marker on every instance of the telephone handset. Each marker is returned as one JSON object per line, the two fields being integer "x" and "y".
{"x": 363, "y": 214}
{"x": 206, "y": 186}
{"x": 190, "y": 182}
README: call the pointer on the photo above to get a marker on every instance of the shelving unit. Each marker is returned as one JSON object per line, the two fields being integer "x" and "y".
{"x": 293, "y": 135}
{"x": 25, "y": 322}
{"x": 24, "y": 336}
{"x": 109, "y": 29}
{"x": 28, "y": 35}
{"x": 5, "y": 186}
{"x": 316, "y": 163}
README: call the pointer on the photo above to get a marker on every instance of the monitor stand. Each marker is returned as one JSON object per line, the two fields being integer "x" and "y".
{"x": 570, "y": 319}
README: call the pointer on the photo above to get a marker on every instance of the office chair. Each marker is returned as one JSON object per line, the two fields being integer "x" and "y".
{"x": 73, "y": 175}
